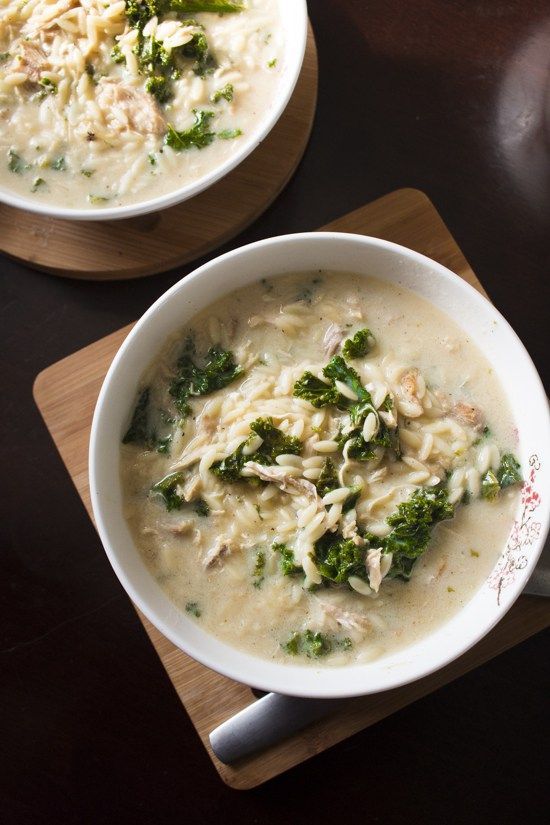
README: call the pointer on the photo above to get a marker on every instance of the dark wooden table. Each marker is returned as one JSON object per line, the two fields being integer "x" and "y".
{"x": 449, "y": 96}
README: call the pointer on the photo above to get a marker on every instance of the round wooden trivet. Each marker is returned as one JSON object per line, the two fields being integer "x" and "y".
{"x": 157, "y": 242}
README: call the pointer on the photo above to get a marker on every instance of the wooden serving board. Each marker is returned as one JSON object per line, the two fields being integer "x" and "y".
{"x": 109, "y": 250}
{"x": 66, "y": 394}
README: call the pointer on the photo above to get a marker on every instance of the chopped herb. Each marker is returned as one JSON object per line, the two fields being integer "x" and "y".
{"x": 16, "y": 163}
{"x": 225, "y": 93}
{"x": 490, "y": 487}
{"x": 258, "y": 510}
{"x": 293, "y": 644}
{"x": 509, "y": 471}
{"x": 450, "y": 590}
{"x": 137, "y": 432}
{"x": 360, "y": 345}
{"x": 167, "y": 488}
{"x": 474, "y": 553}
{"x": 412, "y": 525}
{"x": 87, "y": 172}
{"x": 219, "y": 370}
{"x": 197, "y": 6}
{"x": 197, "y": 136}
{"x": 194, "y": 609}
{"x": 259, "y": 568}
{"x": 288, "y": 564}
{"x": 49, "y": 86}
{"x": 59, "y": 164}
{"x": 97, "y": 199}
{"x": 151, "y": 157}
{"x": 272, "y": 63}
{"x": 337, "y": 558}
{"x": 274, "y": 443}
{"x": 37, "y": 183}
{"x": 328, "y": 480}
{"x": 201, "y": 508}
{"x": 163, "y": 444}
{"x": 229, "y": 134}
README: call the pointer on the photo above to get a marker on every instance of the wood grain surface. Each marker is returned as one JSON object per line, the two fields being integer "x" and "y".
{"x": 149, "y": 244}
{"x": 66, "y": 393}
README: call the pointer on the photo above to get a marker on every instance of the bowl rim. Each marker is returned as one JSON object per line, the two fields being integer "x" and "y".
{"x": 315, "y": 688}
{"x": 160, "y": 202}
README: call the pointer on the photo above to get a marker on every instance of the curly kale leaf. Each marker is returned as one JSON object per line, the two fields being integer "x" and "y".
{"x": 317, "y": 392}
{"x": 225, "y": 93}
{"x": 219, "y": 370}
{"x": 198, "y": 50}
{"x": 288, "y": 563}
{"x": 274, "y": 443}
{"x": 167, "y": 489}
{"x": 259, "y": 568}
{"x": 412, "y": 525}
{"x": 197, "y": 136}
{"x": 198, "y": 6}
{"x": 328, "y": 480}
{"x": 138, "y": 431}
{"x": 337, "y": 558}
{"x": 360, "y": 345}
{"x": 509, "y": 471}
{"x": 338, "y": 370}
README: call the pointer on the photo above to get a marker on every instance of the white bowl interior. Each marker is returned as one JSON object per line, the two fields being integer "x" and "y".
{"x": 310, "y": 251}
{"x": 293, "y": 14}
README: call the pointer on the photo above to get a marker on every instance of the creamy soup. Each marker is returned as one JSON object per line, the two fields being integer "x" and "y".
{"x": 107, "y": 103}
{"x": 320, "y": 465}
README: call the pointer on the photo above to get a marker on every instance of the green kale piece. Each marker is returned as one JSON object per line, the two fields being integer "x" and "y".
{"x": 197, "y": 136}
{"x": 49, "y": 85}
{"x": 167, "y": 490}
{"x": 59, "y": 164}
{"x": 360, "y": 345}
{"x": 259, "y": 567}
{"x": 328, "y": 480}
{"x": 225, "y": 93}
{"x": 337, "y": 558}
{"x": 509, "y": 471}
{"x": 338, "y": 370}
{"x": 317, "y": 392}
{"x": 490, "y": 488}
{"x": 201, "y": 508}
{"x": 194, "y": 609}
{"x": 37, "y": 184}
{"x": 219, "y": 370}
{"x": 412, "y": 525}
{"x": 310, "y": 644}
{"x": 16, "y": 163}
{"x": 138, "y": 431}
{"x": 198, "y": 50}
{"x": 350, "y": 502}
{"x": 274, "y": 443}
{"x": 288, "y": 563}
{"x": 116, "y": 54}
{"x": 229, "y": 134}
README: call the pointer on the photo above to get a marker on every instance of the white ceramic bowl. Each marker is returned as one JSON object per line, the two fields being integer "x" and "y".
{"x": 366, "y": 256}
{"x": 294, "y": 21}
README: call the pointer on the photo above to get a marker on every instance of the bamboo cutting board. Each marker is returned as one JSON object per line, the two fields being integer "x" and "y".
{"x": 66, "y": 394}
{"x": 131, "y": 248}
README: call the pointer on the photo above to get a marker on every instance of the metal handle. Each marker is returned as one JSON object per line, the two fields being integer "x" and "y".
{"x": 275, "y": 717}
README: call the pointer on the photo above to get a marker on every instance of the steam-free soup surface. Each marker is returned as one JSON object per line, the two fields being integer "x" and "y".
{"x": 262, "y": 507}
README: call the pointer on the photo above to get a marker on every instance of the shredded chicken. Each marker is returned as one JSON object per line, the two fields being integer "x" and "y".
{"x": 332, "y": 340}
{"x": 471, "y": 416}
{"x": 288, "y": 484}
{"x": 191, "y": 487}
{"x": 139, "y": 108}
{"x": 345, "y": 618}
{"x": 221, "y": 548}
{"x": 373, "y": 569}
{"x": 31, "y": 60}
{"x": 179, "y": 528}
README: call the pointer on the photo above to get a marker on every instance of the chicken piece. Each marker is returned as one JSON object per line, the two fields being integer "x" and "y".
{"x": 30, "y": 60}
{"x": 345, "y": 618}
{"x": 373, "y": 569}
{"x": 179, "y": 528}
{"x": 332, "y": 339}
{"x": 288, "y": 484}
{"x": 466, "y": 414}
{"x": 221, "y": 548}
{"x": 139, "y": 108}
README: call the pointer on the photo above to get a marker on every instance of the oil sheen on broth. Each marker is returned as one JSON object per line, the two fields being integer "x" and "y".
{"x": 105, "y": 103}
{"x": 274, "y": 537}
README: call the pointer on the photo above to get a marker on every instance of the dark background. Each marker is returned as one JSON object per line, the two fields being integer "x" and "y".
{"x": 449, "y": 97}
